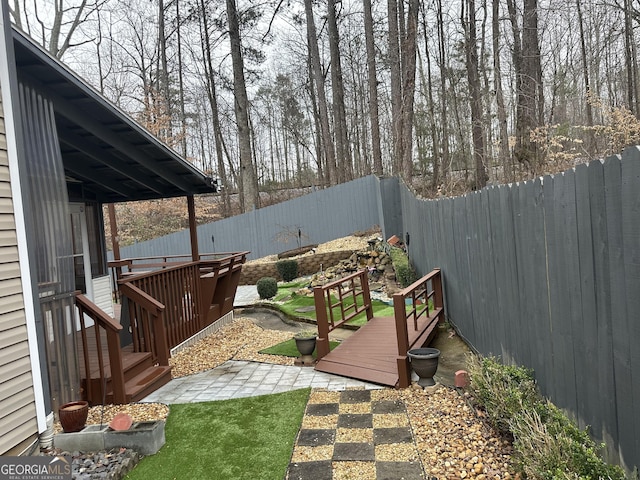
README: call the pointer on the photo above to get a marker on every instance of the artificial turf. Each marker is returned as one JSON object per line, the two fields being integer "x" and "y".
{"x": 288, "y": 348}
{"x": 301, "y": 305}
{"x": 247, "y": 438}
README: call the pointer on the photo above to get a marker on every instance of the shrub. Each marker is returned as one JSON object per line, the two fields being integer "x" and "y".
{"x": 288, "y": 269}
{"x": 267, "y": 287}
{"x": 503, "y": 390}
{"x": 405, "y": 274}
{"x": 547, "y": 444}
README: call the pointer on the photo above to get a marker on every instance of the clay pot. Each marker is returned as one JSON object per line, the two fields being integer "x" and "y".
{"x": 73, "y": 416}
{"x": 424, "y": 362}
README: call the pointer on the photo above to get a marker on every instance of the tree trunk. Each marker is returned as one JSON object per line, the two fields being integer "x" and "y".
{"x": 241, "y": 106}
{"x": 213, "y": 103}
{"x": 475, "y": 100}
{"x": 590, "y": 143}
{"x": 446, "y": 161}
{"x": 314, "y": 54}
{"x": 409, "y": 88}
{"x": 396, "y": 86}
{"x": 373, "y": 89}
{"x": 343, "y": 153}
{"x": 503, "y": 151}
{"x": 528, "y": 70}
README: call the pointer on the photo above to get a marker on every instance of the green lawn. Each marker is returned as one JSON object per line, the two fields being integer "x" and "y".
{"x": 301, "y": 306}
{"x": 243, "y": 439}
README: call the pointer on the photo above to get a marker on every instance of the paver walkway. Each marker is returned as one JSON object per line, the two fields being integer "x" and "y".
{"x": 238, "y": 379}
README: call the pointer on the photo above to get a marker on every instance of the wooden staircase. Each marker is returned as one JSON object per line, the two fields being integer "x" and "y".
{"x": 141, "y": 378}
{"x": 116, "y": 374}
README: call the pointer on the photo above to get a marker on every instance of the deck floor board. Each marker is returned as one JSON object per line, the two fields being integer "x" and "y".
{"x": 371, "y": 353}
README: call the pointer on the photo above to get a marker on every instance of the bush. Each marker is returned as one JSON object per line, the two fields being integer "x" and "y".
{"x": 267, "y": 287}
{"x": 547, "y": 444}
{"x": 405, "y": 274}
{"x": 288, "y": 269}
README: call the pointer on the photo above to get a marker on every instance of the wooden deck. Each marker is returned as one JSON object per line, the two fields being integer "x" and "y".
{"x": 371, "y": 353}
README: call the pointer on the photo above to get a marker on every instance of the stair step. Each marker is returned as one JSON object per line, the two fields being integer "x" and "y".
{"x": 132, "y": 364}
{"x": 146, "y": 382}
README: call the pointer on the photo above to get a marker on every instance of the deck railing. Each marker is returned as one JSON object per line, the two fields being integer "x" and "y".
{"x": 352, "y": 298}
{"x": 106, "y": 330}
{"x": 194, "y": 294}
{"x": 416, "y": 309}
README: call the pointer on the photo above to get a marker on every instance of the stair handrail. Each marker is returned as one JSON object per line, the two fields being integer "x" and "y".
{"x": 112, "y": 328}
{"x": 155, "y": 310}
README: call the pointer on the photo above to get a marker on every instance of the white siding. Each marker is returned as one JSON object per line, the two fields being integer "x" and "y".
{"x": 17, "y": 402}
{"x": 102, "y": 295}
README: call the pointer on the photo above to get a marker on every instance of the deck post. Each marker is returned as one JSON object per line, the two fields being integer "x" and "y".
{"x": 322, "y": 343}
{"x": 364, "y": 283}
{"x": 193, "y": 229}
{"x": 399, "y": 313}
{"x": 438, "y": 300}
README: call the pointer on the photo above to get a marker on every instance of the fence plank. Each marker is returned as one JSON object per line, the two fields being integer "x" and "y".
{"x": 631, "y": 246}
{"x": 607, "y": 428}
{"x": 621, "y": 343}
{"x": 586, "y": 328}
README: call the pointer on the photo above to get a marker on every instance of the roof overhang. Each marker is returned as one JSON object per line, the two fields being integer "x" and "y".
{"x": 108, "y": 157}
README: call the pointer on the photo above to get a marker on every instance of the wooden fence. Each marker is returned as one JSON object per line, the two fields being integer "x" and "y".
{"x": 546, "y": 274}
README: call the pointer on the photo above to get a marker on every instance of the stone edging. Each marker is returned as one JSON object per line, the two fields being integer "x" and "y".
{"x": 307, "y": 265}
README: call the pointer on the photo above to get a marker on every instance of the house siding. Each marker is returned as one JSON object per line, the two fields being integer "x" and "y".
{"x": 18, "y": 424}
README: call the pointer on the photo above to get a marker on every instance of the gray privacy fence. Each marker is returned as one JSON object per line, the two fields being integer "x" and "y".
{"x": 321, "y": 216}
{"x": 546, "y": 274}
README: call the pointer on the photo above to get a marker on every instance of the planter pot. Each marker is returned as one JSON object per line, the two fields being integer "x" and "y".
{"x": 73, "y": 416}
{"x": 306, "y": 346}
{"x": 424, "y": 362}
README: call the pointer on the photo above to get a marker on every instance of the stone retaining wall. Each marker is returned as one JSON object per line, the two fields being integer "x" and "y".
{"x": 307, "y": 265}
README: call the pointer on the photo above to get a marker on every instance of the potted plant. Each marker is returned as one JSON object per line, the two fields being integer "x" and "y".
{"x": 306, "y": 344}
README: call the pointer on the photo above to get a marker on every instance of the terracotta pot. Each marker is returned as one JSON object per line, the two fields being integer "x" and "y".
{"x": 73, "y": 416}
{"x": 425, "y": 363}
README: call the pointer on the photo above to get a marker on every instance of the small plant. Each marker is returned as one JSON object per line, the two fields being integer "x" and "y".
{"x": 305, "y": 334}
{"x": 405, "y": 274}
{"x": 267, "y": 287}
{"x": 288, "y": 269}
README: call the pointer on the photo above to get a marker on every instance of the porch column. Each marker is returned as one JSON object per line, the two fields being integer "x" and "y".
{"x": 193, "y": 231}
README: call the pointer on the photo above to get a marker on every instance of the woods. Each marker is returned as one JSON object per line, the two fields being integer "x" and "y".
{"x": 448, "y": 95}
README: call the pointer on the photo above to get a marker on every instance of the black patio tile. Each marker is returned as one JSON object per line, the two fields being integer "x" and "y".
{"x": 388, "y": 406}
{"x": 355, "y": 396}
{"x": 355, "y": 420}
{"x": 321, "y": 470}
{"x": 317, "y": 436}
{"x": 392, "y": 435}
{"x": 399, "y": 471}
{"x": 322, "y": 409}
{"x": 353, "y": 452}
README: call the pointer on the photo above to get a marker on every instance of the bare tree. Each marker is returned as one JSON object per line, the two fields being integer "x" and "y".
{"x": 373, "y": 88}
{"x": 343, "y": 152}
{"x": 503, "y": 149}
{"x": 468, "y": 20}
{"x": 249, "y": 187}
{"x": 318, "y": 77}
